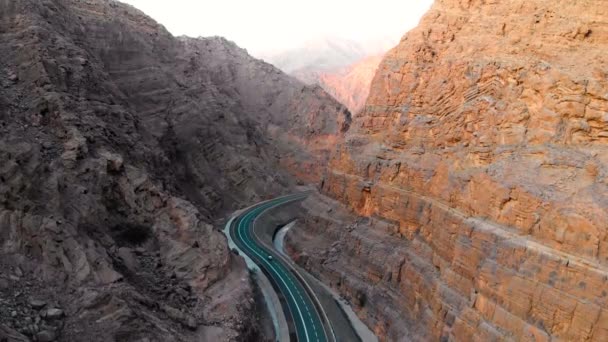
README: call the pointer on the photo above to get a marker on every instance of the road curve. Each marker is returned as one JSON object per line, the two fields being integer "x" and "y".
{"x": 299, "y": 302}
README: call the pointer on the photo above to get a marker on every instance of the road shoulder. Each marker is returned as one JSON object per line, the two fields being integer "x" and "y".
{"x": 273, "y": 304}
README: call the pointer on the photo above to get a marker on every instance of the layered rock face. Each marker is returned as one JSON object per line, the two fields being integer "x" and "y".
{"x": 481, "y": 163}
{"x": 118, "y": 145}
{"x": 351, "y": 85}
{"x": 302, "y": 123}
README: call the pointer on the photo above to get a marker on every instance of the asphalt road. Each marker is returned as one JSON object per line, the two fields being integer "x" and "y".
{"x": 300, "y": 305}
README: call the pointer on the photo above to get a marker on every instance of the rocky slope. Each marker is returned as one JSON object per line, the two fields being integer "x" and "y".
{"x": 351, "y": 85}
{"x": 118, "y": 145}
{"x": 480, "y": 164}
{"x": 303, "y": 123}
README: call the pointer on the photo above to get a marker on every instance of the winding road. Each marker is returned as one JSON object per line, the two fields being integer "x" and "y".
{"x": 299, "y": 303}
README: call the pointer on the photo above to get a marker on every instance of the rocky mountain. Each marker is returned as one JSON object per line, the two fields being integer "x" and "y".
{"x": 324, "y": 55}
{"x": 350, "y": 85}
{"x": 343, "y": 68}
{"x": 119, "y": 145}
{"x": 479, "y": 169}
{"x": 301, "y": 122}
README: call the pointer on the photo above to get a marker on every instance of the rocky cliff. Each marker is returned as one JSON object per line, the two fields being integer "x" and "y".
{"x": 351, "y": 85}
{"x": 480, "y": 165}
{"x": 301, "y": 122}
{"x": 118, "y": 145}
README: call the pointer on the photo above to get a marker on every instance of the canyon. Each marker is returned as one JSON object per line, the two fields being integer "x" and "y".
{"x": 468, "y": 200}
{"x": 465, "y": 198}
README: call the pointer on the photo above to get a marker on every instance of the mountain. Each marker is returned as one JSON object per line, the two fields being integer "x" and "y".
{"x": 120, "y": 145}
{"x": 350, "y": 85}
{"x": 325, "y": 54}
{"x": 301, "y": 122}
{"x": 342, "y": 67}
{"x": 477, "y": 176}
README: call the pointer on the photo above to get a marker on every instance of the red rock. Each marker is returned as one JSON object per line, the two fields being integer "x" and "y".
{"x": 481, "y": 160}
{"x": 351, "y": 85}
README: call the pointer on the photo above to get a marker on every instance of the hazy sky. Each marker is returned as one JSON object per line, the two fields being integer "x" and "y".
{"x": 263, "y": 25}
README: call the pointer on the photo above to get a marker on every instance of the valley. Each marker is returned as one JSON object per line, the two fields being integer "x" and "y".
{"x": 448, "y": 186}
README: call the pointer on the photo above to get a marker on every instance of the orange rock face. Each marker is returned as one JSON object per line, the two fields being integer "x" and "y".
{"x": 481, "y": 158}
{"x": 351, "y": 85}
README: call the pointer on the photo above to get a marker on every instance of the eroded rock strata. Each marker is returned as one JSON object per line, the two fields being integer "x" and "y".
{"x": 119, "y": 144}
{"x": 480, "y": 163}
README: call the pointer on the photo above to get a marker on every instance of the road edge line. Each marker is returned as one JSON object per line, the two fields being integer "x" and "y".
{"x": 273, "y": 303}
{"x": 300, "y": 277}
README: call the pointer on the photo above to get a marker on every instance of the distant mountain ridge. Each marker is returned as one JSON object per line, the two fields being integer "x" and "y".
{"x": 351, "y": 85}
{"x": 325, "y": 54}
{"x": 342, "y": 67}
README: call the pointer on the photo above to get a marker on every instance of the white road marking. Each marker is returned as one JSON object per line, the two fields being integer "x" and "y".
{"x": 280, "y": 276}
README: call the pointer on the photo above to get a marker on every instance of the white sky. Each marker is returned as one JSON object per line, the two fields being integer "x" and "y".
{"x": 266, "y": 25}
